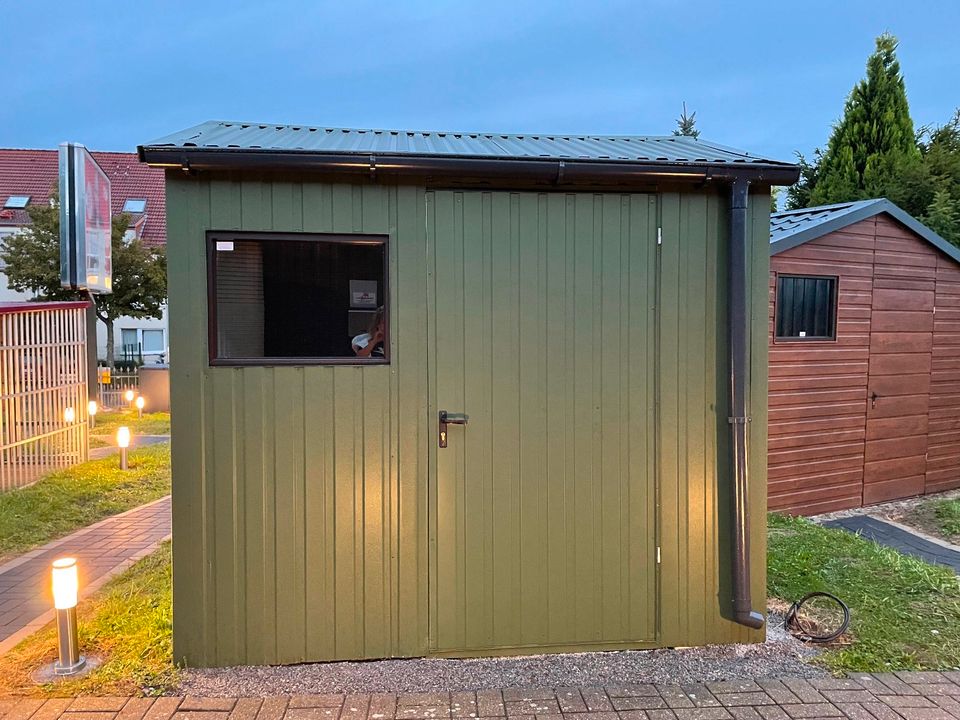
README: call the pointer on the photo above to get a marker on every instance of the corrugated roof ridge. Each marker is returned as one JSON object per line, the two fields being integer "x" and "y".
{"x": 821, "y": 208}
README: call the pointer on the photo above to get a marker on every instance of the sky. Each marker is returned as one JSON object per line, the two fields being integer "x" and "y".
{"x": 769, "y": 77}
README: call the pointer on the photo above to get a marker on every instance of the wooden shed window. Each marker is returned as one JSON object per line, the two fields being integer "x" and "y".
{"x": 297, "y": 299}
{"x": 806, "y": 307}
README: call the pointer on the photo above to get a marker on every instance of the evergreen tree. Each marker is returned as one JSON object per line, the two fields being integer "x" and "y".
{"x": 798, "y": 194}
{"x": 687, "y": 124}
{"x": 873, "y": 138}
{"x": 943, "y": 216}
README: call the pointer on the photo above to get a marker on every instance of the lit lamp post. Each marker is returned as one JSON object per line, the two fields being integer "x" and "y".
{"x": 65, "y": 601}
{"x": 140, "y": 403}
{"x": 92, "y": 412}
{"x": 123, "y": 442}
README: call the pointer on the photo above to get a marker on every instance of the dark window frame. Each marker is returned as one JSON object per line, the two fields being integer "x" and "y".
{"x": 835, "y": 309}
{"x": 213, "y": 236}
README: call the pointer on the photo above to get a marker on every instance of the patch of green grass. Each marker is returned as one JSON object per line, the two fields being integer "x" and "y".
{"x": 948, "y": 515}
{"x": 905, "y": 613}
{"x": 127, "y": 625}
{"x": 79, "y": 496}
{"x": 107, "y": 421}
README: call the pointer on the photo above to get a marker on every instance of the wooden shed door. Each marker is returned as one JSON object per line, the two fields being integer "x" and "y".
{"x": 542, "y": 336}
{"x": 898, "y": 386}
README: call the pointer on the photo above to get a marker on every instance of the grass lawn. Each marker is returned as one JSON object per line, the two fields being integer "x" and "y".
{"x": 937, "y": 517}
{"x": 127, "y": 624}
{"x": 78, "y": 496}
{"x": 905, "y": 614}
{"x": 105, "y": 430}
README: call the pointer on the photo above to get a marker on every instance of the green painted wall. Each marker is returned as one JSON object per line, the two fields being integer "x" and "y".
{"x": 314, "y": 516}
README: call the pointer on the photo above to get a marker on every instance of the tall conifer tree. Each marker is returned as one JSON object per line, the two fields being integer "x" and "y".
{"x": 873, "y": 138}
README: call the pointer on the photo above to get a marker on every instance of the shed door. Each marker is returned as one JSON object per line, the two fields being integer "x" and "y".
{"x": 898, "y": 388}
{"x": 543, "y": 337}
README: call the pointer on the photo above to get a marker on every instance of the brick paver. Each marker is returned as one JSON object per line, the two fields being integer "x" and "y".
{"x": 885, "y": 696}
{"x": 101, "y": 550}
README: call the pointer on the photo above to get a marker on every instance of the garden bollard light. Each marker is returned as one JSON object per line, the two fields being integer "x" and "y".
{"x": 65, "y": 601}
{"x": 123, "y": 442}
{"x": 129, "y": 396}
{"x": 69, "y": 415}
{"x": 92, "y": 412}
{"x": 140, "y": 403}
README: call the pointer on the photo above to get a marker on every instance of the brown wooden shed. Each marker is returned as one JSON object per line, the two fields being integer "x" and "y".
{"x": 864, "y": 400}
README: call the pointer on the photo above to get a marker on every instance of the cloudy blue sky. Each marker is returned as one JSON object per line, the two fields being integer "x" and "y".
{"x": 765, "y": 76}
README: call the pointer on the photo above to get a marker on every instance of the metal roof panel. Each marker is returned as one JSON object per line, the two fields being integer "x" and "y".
{"x": 223, "y": 135}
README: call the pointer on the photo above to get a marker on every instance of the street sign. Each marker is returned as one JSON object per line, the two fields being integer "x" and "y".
{"x": 85, "y": 258}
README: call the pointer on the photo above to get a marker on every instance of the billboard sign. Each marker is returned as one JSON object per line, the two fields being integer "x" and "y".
{"x": 85, "y": 262}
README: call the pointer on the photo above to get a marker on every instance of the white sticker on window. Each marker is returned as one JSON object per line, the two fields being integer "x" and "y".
{"x": 803, "y": 333}
{"x": 224, "y": 245}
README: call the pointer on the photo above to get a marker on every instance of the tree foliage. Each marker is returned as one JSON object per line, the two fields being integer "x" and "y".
{"x": 32, "y": 258}
{"x": 873, "y": 138}
{"x": 875, "y": 152}
{"x": 687, "y": 124}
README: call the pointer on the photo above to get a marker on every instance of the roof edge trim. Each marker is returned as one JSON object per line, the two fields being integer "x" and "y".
{"x": 554, "y": 170}
{"x": 868, "y": 210}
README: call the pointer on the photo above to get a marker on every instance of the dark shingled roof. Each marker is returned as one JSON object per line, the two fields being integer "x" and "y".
{"x": 794, "y": 227}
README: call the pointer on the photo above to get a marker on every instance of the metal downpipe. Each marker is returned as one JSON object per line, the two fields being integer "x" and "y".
{"x": 737, "y": 323}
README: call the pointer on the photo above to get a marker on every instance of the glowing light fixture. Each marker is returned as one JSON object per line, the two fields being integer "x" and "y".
{"x": 129, "y": 396}
{"x": 140, "y": 402}
{"x": 69, "y": 415}
{"x": 65, "y": 590}
{"x": 123, "y": 442}
{"x": 92, "y": 412}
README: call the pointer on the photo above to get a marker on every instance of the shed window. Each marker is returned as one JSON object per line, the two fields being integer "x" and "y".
{"x": 806, "y": 307}
{"x": 297, "y": 299}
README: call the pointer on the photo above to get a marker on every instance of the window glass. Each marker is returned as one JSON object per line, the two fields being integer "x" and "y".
{"x": 806, "y": 307}
{"x": 128, "y": 338}
{"x": 134, "y": 205}
{"x": 298, "y": 299}
{"x": 17, "y": 201}
{"x": 153, "y": 341}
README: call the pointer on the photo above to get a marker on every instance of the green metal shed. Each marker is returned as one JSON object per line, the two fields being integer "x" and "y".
{"x": 588, "y": 314}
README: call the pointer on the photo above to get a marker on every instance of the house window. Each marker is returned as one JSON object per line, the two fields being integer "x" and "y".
{"x": 134, "y": 205}
{"x": 297, "y": 299}
{"x": 17, "y": 202}
{"x": 129, "y": 340}
{"x": 806, "y": 307}
{"x": 152, "y": 341}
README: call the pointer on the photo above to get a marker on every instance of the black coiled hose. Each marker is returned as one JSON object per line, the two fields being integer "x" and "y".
{"x": 793, "y": 624}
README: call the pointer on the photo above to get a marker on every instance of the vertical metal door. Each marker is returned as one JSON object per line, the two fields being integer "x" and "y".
{"x": 543, "y": 339}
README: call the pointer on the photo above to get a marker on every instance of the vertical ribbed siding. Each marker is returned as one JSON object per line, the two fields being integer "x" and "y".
{"x": 293, "y": 542}
{"x": 943, "y": 451}
{"x": 301, "y": 511}
{"x": 694, "y": 472}
{"x": 544, "y": 335}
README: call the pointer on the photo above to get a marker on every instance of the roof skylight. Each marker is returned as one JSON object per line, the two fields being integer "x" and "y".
{"x": 17, "y": 201}
{"x": 134, "y": 205}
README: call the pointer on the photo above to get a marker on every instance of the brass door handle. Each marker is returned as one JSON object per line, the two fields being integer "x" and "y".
{"x": 445, "y": 420}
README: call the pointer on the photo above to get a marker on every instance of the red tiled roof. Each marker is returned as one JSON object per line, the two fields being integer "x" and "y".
{"x": 34, "y": 173}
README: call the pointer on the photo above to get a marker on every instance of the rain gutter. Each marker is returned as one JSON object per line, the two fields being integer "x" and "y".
{"x": 553, "y": 171}
{"x": 737, "y": 326}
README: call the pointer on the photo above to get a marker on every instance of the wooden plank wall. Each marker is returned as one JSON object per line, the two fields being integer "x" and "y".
{"x": 898, "y": 335}
{"x": 943, "y": 450}
{"x": 818, "y": 389}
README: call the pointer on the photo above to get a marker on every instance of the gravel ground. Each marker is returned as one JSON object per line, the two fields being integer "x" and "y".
{"x": 893, "y": 510}
{"x": 780, "y": 656}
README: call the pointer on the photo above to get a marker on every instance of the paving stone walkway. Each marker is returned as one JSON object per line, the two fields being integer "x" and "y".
{"x": 899, "y": 539}
{"x": 883, "y": 696}
{"x": 102, "y": 550}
